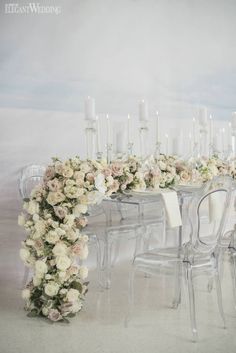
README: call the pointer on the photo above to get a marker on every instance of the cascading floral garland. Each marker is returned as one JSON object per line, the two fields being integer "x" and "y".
{"x": 55, "y": 216}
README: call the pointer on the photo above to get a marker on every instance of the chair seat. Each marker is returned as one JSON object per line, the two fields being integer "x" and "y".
{"x": 163, "y": 257}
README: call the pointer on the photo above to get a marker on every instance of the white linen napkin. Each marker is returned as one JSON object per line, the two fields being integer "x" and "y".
{"x": 171, "y": 203}
{"x": 216, "y": 206}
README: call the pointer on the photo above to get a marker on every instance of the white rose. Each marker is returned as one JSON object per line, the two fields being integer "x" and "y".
{"x": 162, "y": 165}
{"x": 62, "y": 274}
{"x": 72, "y": 295}
{"x": 55, "y": 197}
{"x": 40, "y": 268}
{"x": 76, "y": 307}
{"x": 60, "y": 231}
{"x": 25, "y": 294}
{"x": 30, "y": 242}
{"x": 84, "y": 167}
{"x": 40, "y": 227}
{"x": 21, "y": 220}
{"x": 100, "y": 183}
{"x": 78, "y": 209}
{"x": 63, "y": 291}
{"x": 24, "y": 254}
{"x": 36, "y": 235}
{"x": 60, "y": 249}
{"x": 37, "y": 281}
{"x": 45, "y": 311}
{"x": 95, "y": 197}
{"x": 72, "y": 235}
{"x": 73, "y": 192}
{"x": 63, "y": 262}
{"x": 52, "y": 237}
{"x": 83, "y": 271}
{"x": 35, "y": 217}
{"x": 69, "y": 220}
{"x": 51, "y": 289}
{"x": 32, "y": 207}
{"x": 67, "y": 172}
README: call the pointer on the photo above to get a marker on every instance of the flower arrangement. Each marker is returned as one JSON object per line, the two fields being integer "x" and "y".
{"x": 159, "y": 172}
{"x": 53, "y": 220}
{"x": 55, "y": 216}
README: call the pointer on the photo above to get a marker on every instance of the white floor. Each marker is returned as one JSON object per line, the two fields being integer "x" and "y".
{"x": 99, "y": 328}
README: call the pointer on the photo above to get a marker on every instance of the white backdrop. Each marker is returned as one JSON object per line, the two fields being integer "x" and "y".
{"x": 178, "y": 55}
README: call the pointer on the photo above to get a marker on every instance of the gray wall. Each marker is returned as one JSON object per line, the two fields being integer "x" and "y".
{"x": 175, "y": 53}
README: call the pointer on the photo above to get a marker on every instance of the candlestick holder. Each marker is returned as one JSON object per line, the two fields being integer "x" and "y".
{"x": 130, "y": 149}
{"x": 143, "y": 136}
{"x": 212, "y": 150}
{"x": 99, "y": 156}
{"x": 157, "y": 149}
{"x": 203, "y": 141}
{"x": 109, "y": 152}
{"x": 90, "y": 133}
{"x": 196, "y": 153}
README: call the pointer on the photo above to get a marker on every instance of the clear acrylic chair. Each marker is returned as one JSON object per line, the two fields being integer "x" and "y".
{"x": 30, "y": 176}
{"x": 105, "y": 235}
{"x": 232, "y": 259}
{"x": 123, "y": 219}
{"x": 199, "y": 256}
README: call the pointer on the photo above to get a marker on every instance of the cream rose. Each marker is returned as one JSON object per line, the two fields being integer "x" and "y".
{"x": 72, "y": 295}
{"x": 69, "y": 220}
{"x": 185, "y": 176}
{"x": 60, "y": 212}
{"x": 100, "y": 183}
{"x": 37, "y": 281}
{"x": 59, "y": 168}
{"x": 51, "y": 289}
{"x": 63, "y": 262}
{"x": 40, "y": 227}
{"x": 78, "y": 209}
{"x": 40, "y": 268}
{"x": 84, "y": 167}
{"x": 52, "y": 237}
{"x": 67, "y": 172}
{"x": 21, "y": 220}
{"x": 31, "y": 207}
{"x": 83, "y": 271}
{"x": 24, "y": 254}
{"x": 54, "y": 185}
{"x": 77, "y": 306}
{"x": 60, "y": 249}
{"x": 73, "y": 192}
{"x": 55, "y": 197}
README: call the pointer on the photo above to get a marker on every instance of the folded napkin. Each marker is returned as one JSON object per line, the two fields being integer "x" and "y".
{"x": 216, "y": 206}
{"x": 171, "y": 203}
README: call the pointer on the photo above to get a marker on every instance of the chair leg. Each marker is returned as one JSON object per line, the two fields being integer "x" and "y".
{"x": 219, "y": 297}
{"x": 177, "y": 286}
{"x": 105, "y": 269}
{"x": 130, "y": 296}
{"x": 99, "y": 262}
{"x": 106, "y": 266}
{"x": 116, "y": 248}
{"x": 189, "y": 278}
{"x": 210, "y": 284}
{"x": 233, "y": 274}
